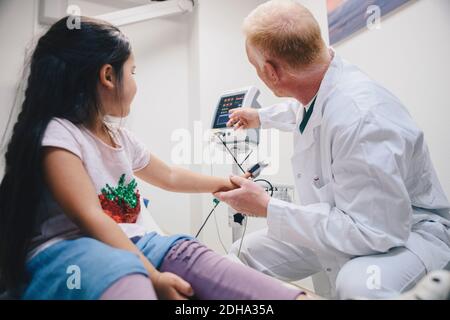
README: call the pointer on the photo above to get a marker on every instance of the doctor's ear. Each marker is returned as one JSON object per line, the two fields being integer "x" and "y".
{"x": 107, "y": 77}
{"x": 270, "y": 72}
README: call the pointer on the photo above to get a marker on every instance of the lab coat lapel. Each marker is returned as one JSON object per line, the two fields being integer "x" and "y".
{"x": 305, "y": 140}
{"x": 329, "y": 83}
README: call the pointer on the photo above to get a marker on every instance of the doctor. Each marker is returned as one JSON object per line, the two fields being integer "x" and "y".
{"x": 372, "y": 213}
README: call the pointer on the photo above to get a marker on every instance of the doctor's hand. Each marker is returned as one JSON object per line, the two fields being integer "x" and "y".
{"x": 230, "y": 185}
{"x": 169, "y": 286}
{"x": 250, "y": 199}
{"x": 244, "y": 118}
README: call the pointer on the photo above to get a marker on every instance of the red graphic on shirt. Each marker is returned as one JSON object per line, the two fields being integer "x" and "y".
{"x": 121, "y": 203}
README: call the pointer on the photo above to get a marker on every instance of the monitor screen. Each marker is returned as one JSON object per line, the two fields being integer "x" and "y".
{"x": 226, "y": 104}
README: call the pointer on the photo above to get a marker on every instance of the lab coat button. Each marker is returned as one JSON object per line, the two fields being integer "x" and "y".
{"x": 299, "y": 175}
{"x": 328, "y": 269}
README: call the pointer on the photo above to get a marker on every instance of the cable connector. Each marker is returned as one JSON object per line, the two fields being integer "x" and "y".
{"x": 255, "y": 170}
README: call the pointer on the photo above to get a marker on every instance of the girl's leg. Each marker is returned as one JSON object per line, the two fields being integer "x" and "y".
{"x": 213, "y": 276}
{"x": 95, "y": 268}
{"x": 130, "y": 287}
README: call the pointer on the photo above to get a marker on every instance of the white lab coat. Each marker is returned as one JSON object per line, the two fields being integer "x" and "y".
{"x": 363, "y": 174}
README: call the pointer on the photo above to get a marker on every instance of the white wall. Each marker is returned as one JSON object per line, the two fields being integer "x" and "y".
{"x": 12, "y": 53}
{"x": 185, "y": 62}
{"x": 219, "y": 63}
{"x": 219, "y": 45}
{"x": 161, "y": 48}
{"x": 409, "y": 56}
{"x": 222, "y": 66}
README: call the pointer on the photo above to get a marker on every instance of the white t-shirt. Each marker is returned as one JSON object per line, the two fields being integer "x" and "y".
{"x": 111, "y": 171}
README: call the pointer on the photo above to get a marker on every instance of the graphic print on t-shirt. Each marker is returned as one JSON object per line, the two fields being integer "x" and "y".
{"x": 121, "y": 203}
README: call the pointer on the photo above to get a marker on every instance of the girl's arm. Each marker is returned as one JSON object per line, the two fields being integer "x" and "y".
{"x": 72, "y": 188}
{"x": 177, "y": 179}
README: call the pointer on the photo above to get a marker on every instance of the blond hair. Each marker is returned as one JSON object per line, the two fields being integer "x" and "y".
{"x": 285, "y": 30}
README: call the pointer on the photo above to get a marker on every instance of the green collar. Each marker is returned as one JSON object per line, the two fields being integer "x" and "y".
{"x": 307, "y": 115}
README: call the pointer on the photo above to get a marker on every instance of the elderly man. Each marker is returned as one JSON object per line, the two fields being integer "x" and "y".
{"x": 372, "y": 213}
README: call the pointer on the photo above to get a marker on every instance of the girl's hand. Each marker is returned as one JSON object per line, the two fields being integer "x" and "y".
{"x": 229, "y": 185}
{"x": 169, "y": 286}
{"x": 250, "y": 199}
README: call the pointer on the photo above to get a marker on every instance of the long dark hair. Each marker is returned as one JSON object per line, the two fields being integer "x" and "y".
{"x": 62, "y": 82}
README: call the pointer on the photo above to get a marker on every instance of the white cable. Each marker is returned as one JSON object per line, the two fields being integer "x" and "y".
{"x": 242, "y": 238}
{"x": 218, "y": 234}
{"x": 214, "y": 213}
{"x": 215, "y": 218}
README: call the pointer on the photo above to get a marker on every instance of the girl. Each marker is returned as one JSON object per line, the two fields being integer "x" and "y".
{"x": 68, "y": 200}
